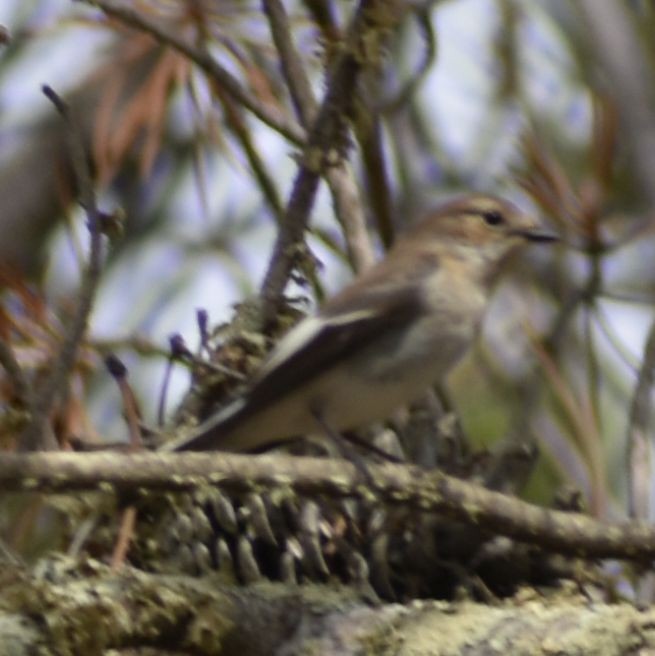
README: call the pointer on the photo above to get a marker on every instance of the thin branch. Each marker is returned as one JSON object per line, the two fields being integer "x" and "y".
{"x": 140, "y": 344}
{"x": 613, "y": 34}
{"x": 427, "y": 491}
{"x": 131, "y": 412}
{"x": 45, "y": 397}
{"x": 327, "y": 140}
{"x": 370, "y": 133}
{"x": 292, "y": 68}
{"x": 124, "y": 537}
{"x": 345, "y": 193}
{"x": 350, "y": 213}
{"x": 639, "y": 432}
{"x": 16, "y": 376}
{"x": 267, "y": 185}
{"x": 237, "y": 124}
{"x": 268, "y": 115}
{"x": 404, "y": 94}
{"x": 324, "y": 14}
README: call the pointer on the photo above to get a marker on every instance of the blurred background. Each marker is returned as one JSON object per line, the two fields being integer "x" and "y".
{"x": 548, "y": 103}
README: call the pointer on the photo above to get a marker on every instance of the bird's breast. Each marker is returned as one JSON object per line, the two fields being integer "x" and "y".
{"x": 424, "y": 350}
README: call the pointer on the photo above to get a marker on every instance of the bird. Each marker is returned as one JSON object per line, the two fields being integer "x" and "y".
{"x": 382, "y": 341}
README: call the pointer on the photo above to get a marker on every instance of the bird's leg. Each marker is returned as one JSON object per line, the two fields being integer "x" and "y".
{"x": 345, "y": 448}
{"x": 367, "y": 445}
{"x": 346, "y": 444}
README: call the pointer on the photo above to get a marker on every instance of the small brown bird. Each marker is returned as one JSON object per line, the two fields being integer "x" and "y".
{"x": 384, "y": 339}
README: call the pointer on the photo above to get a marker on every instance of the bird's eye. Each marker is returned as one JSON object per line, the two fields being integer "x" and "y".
{"x": 493, "y": 217}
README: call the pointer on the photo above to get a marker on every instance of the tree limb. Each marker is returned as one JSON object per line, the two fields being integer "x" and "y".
{"x": 327, "y": 139}
{"x": 427, "y": 491}
{"x": 340, "y": 179}
{"x": 35, "y": 436}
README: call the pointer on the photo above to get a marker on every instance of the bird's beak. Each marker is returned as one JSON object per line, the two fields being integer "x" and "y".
{"x": 535, "y": 235}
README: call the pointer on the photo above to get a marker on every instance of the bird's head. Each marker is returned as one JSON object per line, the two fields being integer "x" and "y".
{"x": 481, "y": 230}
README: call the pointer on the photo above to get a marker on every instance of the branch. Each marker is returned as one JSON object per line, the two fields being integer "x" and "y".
{"x": 85, "y": 608}
{"x": 345, "y": 193}
{"x": 235, "y": 120}
{"x": 15, "y": 374}
{"x": 327, "y": 139}
{"x": 615, "y": 38}
{"x": 427, "y": 491}
{"x": 97, "y": 611}
{"x": 35, "y": 435}
{"x": 638, "y": 460}
{"x": 274, "y": 119}
{"x": 369, "y": 131}
{"x": 292, "y": 67}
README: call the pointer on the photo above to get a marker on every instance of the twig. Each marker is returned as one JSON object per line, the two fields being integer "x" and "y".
{"x": 33, "y": 437}
{"x": 408, "y": 89}
{"x": 130, "y": 408}
{"x": 125, "y": 534}
{"x": 368, "y": 129}
{"x": 360, "y": 249}
{"x": 327, "y": 139}
{"x": 433, "y": 491}
{"x": 533, "y": 386}
{"x": 15, "y": 374}
{"x": 345, "y": 193}
{"x": 202, "y": 319}
{"x": 616, "y": 40}
{"x": 224, "y": 78}
{"x": 639, "y": 431}
{"x": 350, "y": 213}
{"x": 137, "y": 343}
{"x": 178, "y": 352}
{"x": 324, "y": 15}
{"x": 128, "y": 520}
{"x": 237, "y": 124}
{"x": 292, "y": 68}
{"x": 265, "y": 181}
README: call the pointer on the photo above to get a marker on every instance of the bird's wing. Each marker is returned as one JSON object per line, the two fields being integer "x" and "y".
{"x": 367, "y": 310}
{"x": 316, "y": 344}
{"x": 321, "y": 342}
{"x": 370, "y": 308}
